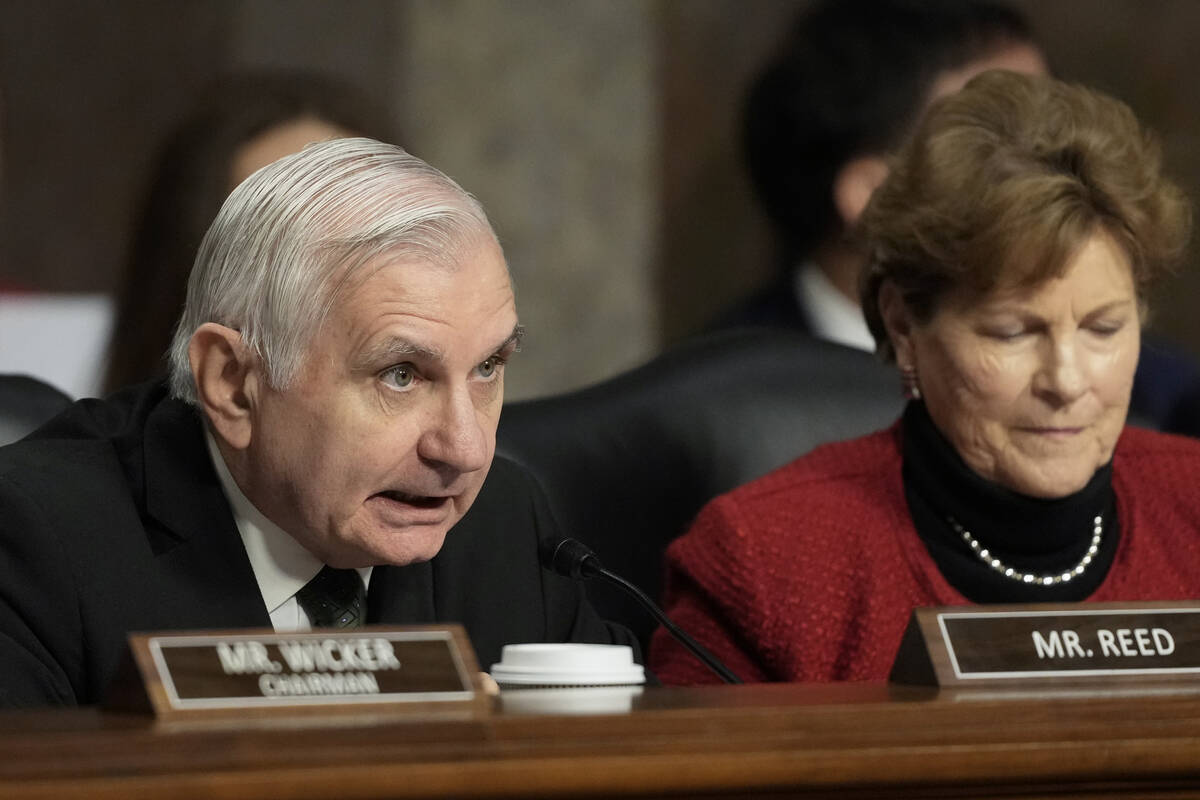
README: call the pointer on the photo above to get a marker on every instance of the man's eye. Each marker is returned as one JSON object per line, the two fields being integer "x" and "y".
{"x": 400, "y": 376}
{"x": 489, "y": 366}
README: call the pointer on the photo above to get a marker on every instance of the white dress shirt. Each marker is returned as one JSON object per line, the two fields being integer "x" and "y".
{"x": 833, "y": 315}
{"x": 282, "y": 566}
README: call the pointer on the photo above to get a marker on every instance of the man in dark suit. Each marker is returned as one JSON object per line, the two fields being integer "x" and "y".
{"x": 336, "y": 380}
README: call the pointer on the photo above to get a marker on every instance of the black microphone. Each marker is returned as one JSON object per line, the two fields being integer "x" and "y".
{"x": 572, "y": 558}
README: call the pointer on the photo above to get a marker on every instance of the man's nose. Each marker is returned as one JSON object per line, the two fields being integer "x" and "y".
{"x": 455, "y": 437}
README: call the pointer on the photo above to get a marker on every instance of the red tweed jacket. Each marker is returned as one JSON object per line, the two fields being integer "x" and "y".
{"x": 811, "y": 572}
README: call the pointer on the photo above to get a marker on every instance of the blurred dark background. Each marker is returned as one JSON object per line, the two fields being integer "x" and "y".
{"x": 600, "y": 135}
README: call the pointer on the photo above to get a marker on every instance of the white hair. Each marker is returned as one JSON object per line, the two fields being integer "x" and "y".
{"x": 290, "y": 236}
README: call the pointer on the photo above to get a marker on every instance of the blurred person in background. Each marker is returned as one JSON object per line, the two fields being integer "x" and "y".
{"x": 242, "y": 122}
{"x": 1010, "y": 251}
{"x": 850, "y": 82}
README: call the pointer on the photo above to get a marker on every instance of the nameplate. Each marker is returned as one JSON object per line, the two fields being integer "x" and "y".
{"x": 209, "y": 673}
{"x": 1046, "y": 644}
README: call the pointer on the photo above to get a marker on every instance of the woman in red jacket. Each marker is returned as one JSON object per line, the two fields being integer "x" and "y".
{"x": 1011, "y": 249}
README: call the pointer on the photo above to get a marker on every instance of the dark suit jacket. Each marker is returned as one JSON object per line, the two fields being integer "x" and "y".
{"x": 112, "y": 520}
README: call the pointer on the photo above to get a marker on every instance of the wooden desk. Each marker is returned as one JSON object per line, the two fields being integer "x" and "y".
{"x": 844, "y": 741}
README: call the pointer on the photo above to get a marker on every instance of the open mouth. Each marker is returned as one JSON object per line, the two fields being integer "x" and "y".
{"x": 415, "y": 500}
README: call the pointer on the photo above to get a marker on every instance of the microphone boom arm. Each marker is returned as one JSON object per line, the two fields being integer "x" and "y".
{"x": 573, "y": 559}
{"x": 678, "y": 633}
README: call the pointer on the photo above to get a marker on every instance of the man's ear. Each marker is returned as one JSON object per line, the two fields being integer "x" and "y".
{"x": 898, "y": 320}
{"x": 226, "y": 381}
{"x": 854, "y": 184}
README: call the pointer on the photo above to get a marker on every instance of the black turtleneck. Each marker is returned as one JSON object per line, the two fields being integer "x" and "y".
{"x": 1029, "y": 534}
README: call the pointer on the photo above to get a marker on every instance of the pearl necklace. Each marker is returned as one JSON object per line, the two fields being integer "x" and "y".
{"x": 1028, "y": 577}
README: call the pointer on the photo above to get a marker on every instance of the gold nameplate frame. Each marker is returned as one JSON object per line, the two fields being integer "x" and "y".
{"x": 261, "y": 672}
{"x": 1040, "y": 644}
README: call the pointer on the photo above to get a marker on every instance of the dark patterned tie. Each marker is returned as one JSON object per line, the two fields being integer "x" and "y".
{"x": 335, "y": 598}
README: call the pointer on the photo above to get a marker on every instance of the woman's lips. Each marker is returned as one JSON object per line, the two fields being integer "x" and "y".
{"x": 1053, "y": 432}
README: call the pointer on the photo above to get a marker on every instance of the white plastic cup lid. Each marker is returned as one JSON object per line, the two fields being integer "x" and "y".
{"x": 569, "y": 699}
{"x": 567, "y": 665}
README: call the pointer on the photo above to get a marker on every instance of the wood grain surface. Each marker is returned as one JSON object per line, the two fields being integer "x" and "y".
{"x": 844, "y": 741}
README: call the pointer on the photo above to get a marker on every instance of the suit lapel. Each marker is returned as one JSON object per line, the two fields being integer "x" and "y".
{"x": 191, "y": 527}
{"x": 193, "y": 534}
{"x": 401, "y": 595}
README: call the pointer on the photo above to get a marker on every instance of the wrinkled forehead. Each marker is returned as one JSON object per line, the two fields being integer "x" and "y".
{"x": 476, "y": 258}
{"x": 352, "y": 266}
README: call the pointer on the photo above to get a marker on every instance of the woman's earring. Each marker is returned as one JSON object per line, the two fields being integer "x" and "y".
{"x": 908, "y": 382}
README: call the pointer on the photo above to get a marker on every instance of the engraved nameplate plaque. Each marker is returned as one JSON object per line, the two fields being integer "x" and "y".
{"x": 260, "y": 671}
{"x": 1051, "y": 643}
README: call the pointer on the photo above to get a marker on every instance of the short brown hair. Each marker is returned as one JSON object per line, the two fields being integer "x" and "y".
{"x": 1003, "y": 182}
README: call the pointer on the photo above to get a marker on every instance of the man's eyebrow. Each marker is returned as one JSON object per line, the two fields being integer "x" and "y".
{"x": 394, "y": 347}
{"x": 513, "y": 343}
